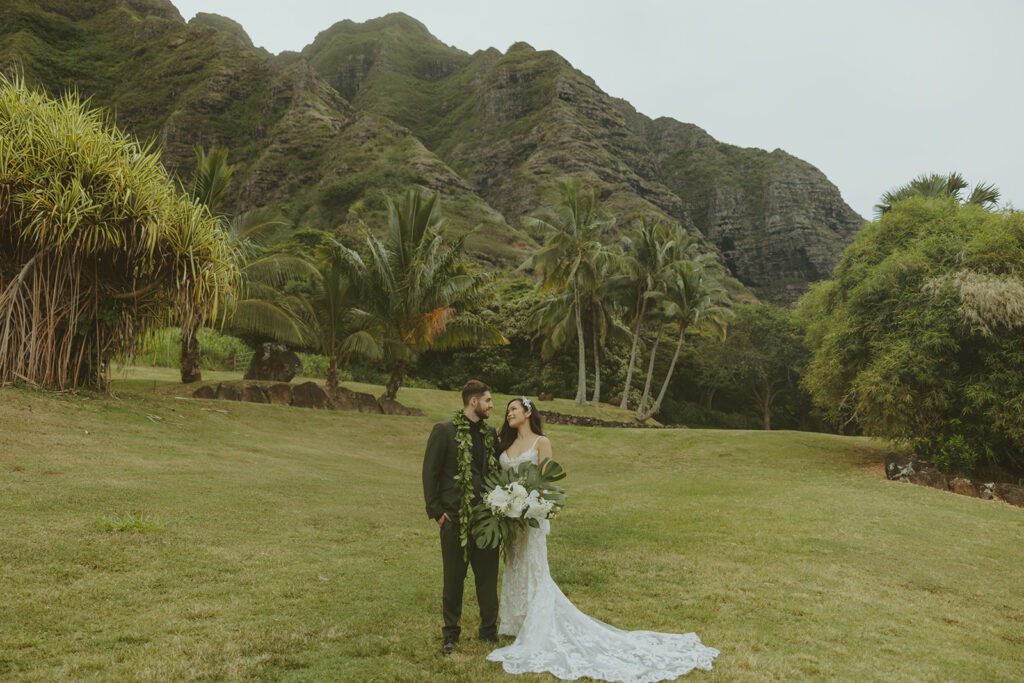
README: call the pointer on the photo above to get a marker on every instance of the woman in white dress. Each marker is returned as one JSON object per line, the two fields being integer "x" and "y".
{"x": 551, "y": 634}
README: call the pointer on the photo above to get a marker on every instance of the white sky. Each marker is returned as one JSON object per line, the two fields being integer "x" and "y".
{"x": 872, "y": 92}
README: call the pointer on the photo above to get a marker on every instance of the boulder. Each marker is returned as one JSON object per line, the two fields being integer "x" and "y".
{"x": 309, "y": 395}
{"x": 929, "y": 476}
{"x": 390, "y": 407}
{"x": 1009, "y": 493}
{"x": 985, "y": 490}
{"x": 205, "y": 391}
{"x": 280, "y": 394}
{"x": 898, "y": 466}
{"x": 274, "y": 362}
{"x": 345, "y": 399}
{"x": 965, "y": 487}
{"x": 253, "y": 393}
{"x": 226, "y": 392}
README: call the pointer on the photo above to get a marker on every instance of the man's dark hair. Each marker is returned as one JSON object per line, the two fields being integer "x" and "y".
{"x": 473, "y": 387}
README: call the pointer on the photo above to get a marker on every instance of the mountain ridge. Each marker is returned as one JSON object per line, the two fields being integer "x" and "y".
{"x": 373, "y": 107}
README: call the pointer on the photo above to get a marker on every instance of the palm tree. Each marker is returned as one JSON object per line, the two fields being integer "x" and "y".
{"x": 678, "y": 247}
{"x": 416, "y": 289}
{"x": 258, "y": 306}
{"x": 644, "y": 264}
{"x": 601, "y": 309}
{"x": 573, "y": 253}
{"x": 340, "y": 328}
{"x": 937, "y": 186}
{"x": 693, "y": 302}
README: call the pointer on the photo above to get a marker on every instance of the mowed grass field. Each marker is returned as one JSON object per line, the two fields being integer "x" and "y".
{"x": 146, "y": 536}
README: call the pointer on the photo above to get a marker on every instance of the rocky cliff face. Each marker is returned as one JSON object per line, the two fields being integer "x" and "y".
{"x": 375, "y": 107}
{"x": 511, "y": 124}
{"x": 296, "y": 143}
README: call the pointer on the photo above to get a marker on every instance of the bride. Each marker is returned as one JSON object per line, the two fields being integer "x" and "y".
{"x": 551, "y": 634}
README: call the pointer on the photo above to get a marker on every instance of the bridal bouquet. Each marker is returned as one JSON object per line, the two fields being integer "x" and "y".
{"x": 517, "y": 498}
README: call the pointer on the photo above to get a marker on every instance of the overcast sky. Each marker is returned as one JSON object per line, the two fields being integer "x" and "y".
{"x": 872, "y": 92}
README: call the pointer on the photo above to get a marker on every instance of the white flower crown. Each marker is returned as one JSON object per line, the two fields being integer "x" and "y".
{"x": 527, "y": 403}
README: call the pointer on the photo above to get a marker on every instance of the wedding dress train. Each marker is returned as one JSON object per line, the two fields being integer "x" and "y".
{"x": 553, "y": 636}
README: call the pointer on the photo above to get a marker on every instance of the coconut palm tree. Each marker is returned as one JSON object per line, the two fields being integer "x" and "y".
{"x": 694, "y": 303}
{"x": 416, "y": 289}
{"x": 644, "y": 264}
{"x": 937, "y": 186}
{"x": 258, "y": 306}
{"x": 573, "y": 253}
{"x": 341, "y": 329}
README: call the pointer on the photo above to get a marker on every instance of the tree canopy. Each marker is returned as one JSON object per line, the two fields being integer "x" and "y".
{"x": 97, "y": 244}
{"x": 918, "y": 336}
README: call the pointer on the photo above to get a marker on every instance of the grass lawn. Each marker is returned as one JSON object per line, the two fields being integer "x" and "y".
{"x": 146, "y": 536}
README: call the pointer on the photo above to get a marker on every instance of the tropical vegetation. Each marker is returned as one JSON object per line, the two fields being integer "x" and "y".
{"x": 97, "y": 246}
{"x": 918, "y": 336}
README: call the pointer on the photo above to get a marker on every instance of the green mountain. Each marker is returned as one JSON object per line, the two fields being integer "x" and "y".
{"x": 374, "y": 107}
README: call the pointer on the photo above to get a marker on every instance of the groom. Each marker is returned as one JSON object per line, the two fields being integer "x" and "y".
{"x": 444, "y": 498}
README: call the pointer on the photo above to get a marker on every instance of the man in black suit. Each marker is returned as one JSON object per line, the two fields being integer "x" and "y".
{"x": 444, "y": 500}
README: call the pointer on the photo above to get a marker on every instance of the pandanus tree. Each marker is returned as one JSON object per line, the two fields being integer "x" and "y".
{"x": 573, "y": 254}
{"x": 937, "y": 186}
{"x": 416, "y": 289}
{"x": 694, "y": 302}
{"x": 97, "y": 245}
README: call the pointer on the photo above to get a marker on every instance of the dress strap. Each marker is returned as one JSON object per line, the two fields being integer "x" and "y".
{"x": 534, "y": 446}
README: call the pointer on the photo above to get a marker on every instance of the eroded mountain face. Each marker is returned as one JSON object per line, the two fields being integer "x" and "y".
{"x": 372, "y": 108}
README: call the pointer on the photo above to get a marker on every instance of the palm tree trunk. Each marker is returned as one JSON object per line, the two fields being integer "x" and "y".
{"x": 332, "y": 373}
{"x": 190, "y": 370}
{"x": 581, "y": 386}
{"x": 397, "y": 374}
{"x": 668, "y": 377}
{"x": 597, "y": 368}
{"x": 650, "y": 371}
{"x": 632, "y": 354}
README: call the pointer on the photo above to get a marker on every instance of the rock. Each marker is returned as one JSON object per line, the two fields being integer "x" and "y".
{"x": 226, "y": 392}
{"x": 395, "y": 408}
{"x": 985, "y": 490}
{"x": 542, "y": 396}
{"x": 345, "y": 399}
{"x": 280, "y": 394}
{"x": 253, "y": 393}
{"x": 205, "y": 391}
{"x": 965, "y": 487}
{"x": 898, "y": 466}
{"x": 1009, "y": 493}
{"x": 309, "y": 395}
{"x": 929, "y": 476}
{"x": 274, "y": 362}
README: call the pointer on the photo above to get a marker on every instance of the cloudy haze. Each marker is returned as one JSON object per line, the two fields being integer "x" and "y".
{"x": 871, "y": 92}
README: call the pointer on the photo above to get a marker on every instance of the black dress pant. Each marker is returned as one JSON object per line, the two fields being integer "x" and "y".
{"x": 485, "y": 574}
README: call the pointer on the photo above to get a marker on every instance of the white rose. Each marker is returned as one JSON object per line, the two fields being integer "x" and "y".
{"x": 498, "y": 500}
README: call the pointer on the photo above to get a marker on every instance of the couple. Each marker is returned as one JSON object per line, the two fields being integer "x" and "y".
{"x": 551, "y": 635}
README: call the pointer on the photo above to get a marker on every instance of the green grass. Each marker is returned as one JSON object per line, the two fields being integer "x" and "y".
{"x": 292, "y": 545}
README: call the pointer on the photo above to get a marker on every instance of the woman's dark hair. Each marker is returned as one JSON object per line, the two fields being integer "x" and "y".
{"x": 507, "y": 435}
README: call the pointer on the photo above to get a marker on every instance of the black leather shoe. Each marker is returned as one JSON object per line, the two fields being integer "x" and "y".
{"x": 448, "y": 647}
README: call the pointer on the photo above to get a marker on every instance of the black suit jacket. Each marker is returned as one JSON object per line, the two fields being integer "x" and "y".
{"x": 441, "y": 464}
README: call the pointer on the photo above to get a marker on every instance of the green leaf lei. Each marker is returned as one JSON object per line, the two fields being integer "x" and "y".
{"x": 464, "y": 477}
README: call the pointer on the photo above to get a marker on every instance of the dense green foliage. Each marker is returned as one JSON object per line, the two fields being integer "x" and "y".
{"x": 96, "y": 243}
{"x": 918, "y": 337}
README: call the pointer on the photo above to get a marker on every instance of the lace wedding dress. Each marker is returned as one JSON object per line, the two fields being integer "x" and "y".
{"x": 553, "y": 636}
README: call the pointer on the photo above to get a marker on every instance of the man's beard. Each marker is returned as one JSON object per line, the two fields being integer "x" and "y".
{"x": 481, "y": 414}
